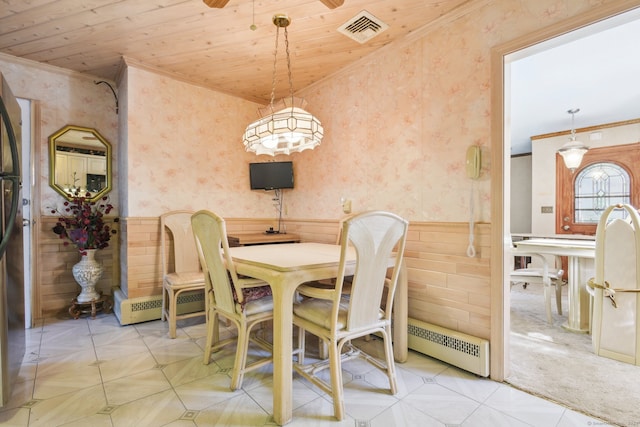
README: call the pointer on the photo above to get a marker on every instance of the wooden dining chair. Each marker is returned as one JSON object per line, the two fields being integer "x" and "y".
{"x": 181, "y": 272}
{"x": 331, "y": 283}
{"x": 615, "y": 289}
{"x": 336, "y": 318}
{"x": 244, "y": 301}
{"x": 549, "y": 276}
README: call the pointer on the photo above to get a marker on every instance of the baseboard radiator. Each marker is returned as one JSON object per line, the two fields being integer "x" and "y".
{"x": 464, "y": 351}
{"x": 143, "y": 309}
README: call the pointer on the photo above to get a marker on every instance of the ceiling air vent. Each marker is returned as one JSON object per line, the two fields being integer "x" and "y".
{"x": 362, "y": 27}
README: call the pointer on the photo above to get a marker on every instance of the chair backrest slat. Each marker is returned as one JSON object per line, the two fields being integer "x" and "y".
{"x": 211, "y": 236}
{"x": 376, "y": 236}
{"x": 185, "y": 255}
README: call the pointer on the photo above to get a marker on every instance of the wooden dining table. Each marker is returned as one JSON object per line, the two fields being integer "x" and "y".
{"x": 286, "y": 266}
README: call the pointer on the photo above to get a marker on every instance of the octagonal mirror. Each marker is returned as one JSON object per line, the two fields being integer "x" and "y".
{"x": 79, "y": 163}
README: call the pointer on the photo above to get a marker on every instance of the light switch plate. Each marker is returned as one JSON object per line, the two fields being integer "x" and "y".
{"x": 546, "y": 209}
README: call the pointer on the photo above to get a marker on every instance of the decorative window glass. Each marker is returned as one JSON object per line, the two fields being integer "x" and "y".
{"x": 598, "y": 186}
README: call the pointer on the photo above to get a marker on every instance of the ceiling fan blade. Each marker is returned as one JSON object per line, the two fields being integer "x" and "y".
{"x": 216, "y": 3}
{"x": 332, "y": 4}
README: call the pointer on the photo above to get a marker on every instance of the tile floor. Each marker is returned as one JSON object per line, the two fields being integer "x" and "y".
{"x": 94, "y": 372}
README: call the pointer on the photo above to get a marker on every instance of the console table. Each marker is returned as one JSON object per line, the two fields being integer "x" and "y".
{"x": 247, "y": 239}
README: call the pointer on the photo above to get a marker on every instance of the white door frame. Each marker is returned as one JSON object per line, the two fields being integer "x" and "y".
{"x": 27, "y": 207}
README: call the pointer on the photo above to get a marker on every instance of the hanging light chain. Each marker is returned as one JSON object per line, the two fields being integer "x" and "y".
{"x": 275, "y": 62}
{"x": 573, "y": 126}
{"x": 253, "y": 19}
{"x": 286, "y": 44}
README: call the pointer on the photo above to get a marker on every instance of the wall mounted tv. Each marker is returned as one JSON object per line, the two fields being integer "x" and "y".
{"x": 271, "y": 175}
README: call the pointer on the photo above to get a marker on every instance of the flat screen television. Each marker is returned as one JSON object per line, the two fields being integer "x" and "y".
{"x": 271, "y": 175}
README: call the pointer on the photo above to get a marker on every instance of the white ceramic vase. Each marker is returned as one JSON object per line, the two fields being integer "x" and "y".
{"x": 87, "y": 273}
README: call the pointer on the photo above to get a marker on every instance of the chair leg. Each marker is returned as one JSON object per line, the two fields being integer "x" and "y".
{"x": 323, "y": 349}
{"x": 212, "y": 336}
{"x": 301, "y": 344}
{"x": 163, "y": 314}
{"x": 391, "y": 367}
{"x": 559, "y": 296}
{"x": 241, "y": 357}
{"x": 215, "y": 319}
{"x": 335, "y": 368}
{"x": 547, "y": 303}
{"x": 172, "y": 314}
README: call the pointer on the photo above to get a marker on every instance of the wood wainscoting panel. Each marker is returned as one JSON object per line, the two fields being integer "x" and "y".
{"x": 446, "y": 287}
{"x": 141, "y": 267}
{"x": 142, "y": 276}
{"x": 54, "y": 284}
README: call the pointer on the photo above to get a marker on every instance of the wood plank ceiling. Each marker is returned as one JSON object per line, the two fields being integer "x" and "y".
{"x": 209, "y": 46}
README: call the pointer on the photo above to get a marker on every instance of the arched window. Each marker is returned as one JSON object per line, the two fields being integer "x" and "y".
{"x": 607, "y": 176}
{"x": 598, "y": 186}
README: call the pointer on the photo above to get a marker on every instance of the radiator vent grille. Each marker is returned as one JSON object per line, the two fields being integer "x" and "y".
{"x": 143, "y": 309}
{"x": 362, "y": 27}
{"x": 458, "y": 349}
{"x": 187, "y": 297}
{"x": 146, "y": 305}
{"x": 446, "y": 341}
{"x": 184, "y": 298}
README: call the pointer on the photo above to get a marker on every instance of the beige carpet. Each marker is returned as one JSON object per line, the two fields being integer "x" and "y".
{"x": 549, "y": 361}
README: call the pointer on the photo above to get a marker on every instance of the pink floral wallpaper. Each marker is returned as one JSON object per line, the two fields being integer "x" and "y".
{"x": 185, "y": 149}
{"x": 64, "y": 98}
{"x": 380, "y": 149}
{"x": 397, "y": 126}
{"x": 398, "y": 123}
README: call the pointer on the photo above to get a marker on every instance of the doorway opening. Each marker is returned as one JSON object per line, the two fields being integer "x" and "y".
{"x": 504, "y": 58}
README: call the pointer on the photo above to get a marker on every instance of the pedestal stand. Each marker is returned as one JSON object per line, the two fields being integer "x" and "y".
{"x": 90, "y": 307}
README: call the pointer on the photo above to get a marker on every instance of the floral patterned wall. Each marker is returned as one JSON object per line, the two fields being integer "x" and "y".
{"x": 185, "y": 149}
{"x": 398, "y": 123}
{"x": 65, "y": 98}
{"x": 397, "y": 127}
{"x": 379, "y": 151}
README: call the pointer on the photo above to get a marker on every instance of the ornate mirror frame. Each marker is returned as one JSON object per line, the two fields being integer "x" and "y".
{"x": 79, "y": 160}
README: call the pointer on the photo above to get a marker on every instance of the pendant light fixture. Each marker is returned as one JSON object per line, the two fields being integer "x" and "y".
{"x": 290, "y": 129}
{"x": 573, "y": 151}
